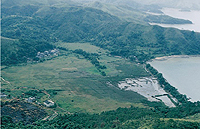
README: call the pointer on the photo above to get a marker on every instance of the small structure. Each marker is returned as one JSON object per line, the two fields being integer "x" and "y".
{"x": 49, "y": 103}
{"x": 31, "y": 99}
{"x": 49, "y": 53}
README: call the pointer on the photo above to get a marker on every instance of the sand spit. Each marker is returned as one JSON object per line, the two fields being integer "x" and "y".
{"x": 147, "y": 87}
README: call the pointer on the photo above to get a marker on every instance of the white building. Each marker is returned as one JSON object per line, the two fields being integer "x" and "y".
{"x": 49, "y": 103}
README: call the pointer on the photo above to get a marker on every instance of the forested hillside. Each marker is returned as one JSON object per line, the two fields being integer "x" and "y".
{"x": 123, "y": 118}
{"x": 76, "y": 54}
{"x": 83, "y": 24}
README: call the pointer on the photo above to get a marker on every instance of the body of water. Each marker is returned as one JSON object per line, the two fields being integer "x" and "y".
{"x": 182, "y": 73}
{"x": 192, "y": 15}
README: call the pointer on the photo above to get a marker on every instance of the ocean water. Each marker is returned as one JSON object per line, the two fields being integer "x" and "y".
{"x": 192, "y": 15}
{"x": 182, "y": 73}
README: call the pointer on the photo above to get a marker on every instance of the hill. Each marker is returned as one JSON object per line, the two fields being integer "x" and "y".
{"x": 77, "y": 54}
{"x": 84, "y": 24}
{"x": 121, "y": 118}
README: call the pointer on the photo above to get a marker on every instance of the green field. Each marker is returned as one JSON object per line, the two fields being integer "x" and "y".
{"x": 85, "y": 46}
{"x": 77, "y": 84}
{"x": 101, "y": 44}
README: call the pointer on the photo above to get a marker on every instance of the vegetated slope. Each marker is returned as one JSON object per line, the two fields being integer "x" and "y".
{"x": 131, "y": 11}
{"x": 19, "y": 51}
{"x": 164, "y": 19}
{"x": 123, "y": 11}
{"x": 121, "y": 118}
{"x": 22, "y": 111}
{"x": 11, "y": 3}
{"x": 146, "y": 42}
{"x": 83, "y": 24}
{"x": 76, "y": 23}
{"x": 134, "y": 41}
{"x": 128, "y": 4}
{"x": 67, "y": 23}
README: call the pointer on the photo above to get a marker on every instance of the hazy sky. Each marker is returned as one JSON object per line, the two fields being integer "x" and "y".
{"x": 173, "y": 3}
{"x": 184, "y": 4}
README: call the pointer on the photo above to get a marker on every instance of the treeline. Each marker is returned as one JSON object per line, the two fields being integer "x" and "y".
{"x": 164, "y": 19}
{"x": 121, "y": 118}
{"x": 167, "y": 87}
{"x": 22, "y": 50}
{"x": 93, "y": 58}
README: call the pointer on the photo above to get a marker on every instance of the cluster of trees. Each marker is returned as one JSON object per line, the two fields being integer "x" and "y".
{"x": 22, "y": 50}
{"x": 136, "y": 42}
{"x": 141, "y": 43}
{"x": 19, "y": 111}
{"x": 93, "y": 58}
{"x": 167, "y": 87}
{"x": 164, "y": 19}
{"x": 121, "y": 118}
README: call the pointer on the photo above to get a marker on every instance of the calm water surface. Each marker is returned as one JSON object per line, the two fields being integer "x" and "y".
{"x": 182, "y": 73}
{"x": 193, "y": 16}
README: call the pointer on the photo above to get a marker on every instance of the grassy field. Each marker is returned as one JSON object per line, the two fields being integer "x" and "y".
{"x": 85, "y": 46}
{"x": 73, "y": 83}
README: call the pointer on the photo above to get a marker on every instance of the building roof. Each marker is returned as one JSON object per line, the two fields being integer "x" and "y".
{"x": 48, "y": 102}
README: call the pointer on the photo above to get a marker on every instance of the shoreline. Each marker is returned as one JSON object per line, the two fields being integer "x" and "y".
{"x": 149, "y": 88}
{"x": 164, "y": 58}
{"x": 173, "y": 83}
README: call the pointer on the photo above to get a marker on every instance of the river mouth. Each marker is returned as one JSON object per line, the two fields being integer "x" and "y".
{"x": 182, "y": 72}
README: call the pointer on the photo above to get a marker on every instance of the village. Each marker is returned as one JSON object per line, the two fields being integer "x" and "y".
{"x": 48, "y": 54}
{"x": 33, "y": 100}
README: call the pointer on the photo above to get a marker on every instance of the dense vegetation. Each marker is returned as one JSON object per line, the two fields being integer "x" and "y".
{"x": 93, "y": 58}
{"x": 28, "y": 29}
{"x": 167, "y": 87}
{"x": 121, "y": 118}
{"x": 20, "y": 51}
{"x": 21, "y": 111}
{"x": 70, "y": 24}
{"x": 164, "y": 19}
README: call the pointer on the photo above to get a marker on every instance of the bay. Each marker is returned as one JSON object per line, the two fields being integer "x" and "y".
{"x": 182, "y": 73}
{"x": 192, "y": 15}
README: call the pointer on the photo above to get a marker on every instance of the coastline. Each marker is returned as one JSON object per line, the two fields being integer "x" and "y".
{"x": 164, "y": 58}
{"x": 189, "y": 15}
{"x": 180, "y": 75}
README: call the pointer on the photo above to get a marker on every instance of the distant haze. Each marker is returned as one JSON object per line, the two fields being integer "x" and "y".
{"x": 183, "y": 4}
